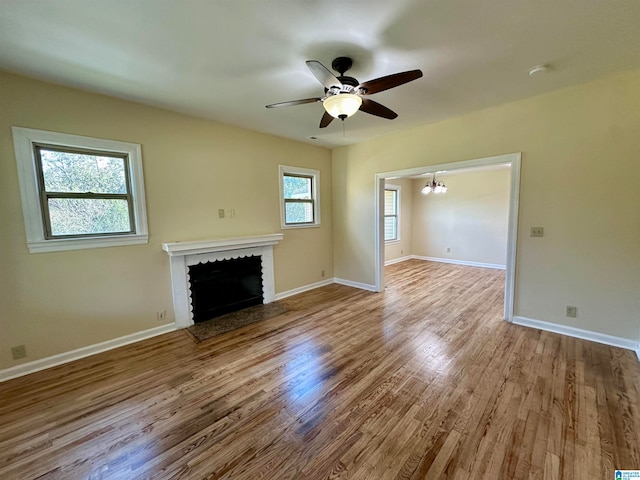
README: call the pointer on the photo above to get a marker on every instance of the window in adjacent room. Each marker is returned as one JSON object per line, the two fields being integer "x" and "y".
{"x": 299, "y": 195}
{"x": 79, "y": 192}
{"x": 391, "y": 213}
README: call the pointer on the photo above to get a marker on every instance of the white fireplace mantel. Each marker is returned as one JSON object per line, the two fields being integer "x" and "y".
{"x": 184, "y": 254}
{"x": 220, "y": 244}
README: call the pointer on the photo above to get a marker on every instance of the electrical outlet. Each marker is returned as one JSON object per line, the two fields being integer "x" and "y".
{"x": 322, "y": 273}
{"x": 448, "y": 249}
{"x": 161, "y": 315}
{"x": 231, "y": 213}
{"x": 18, "y": 352}
{"x": 221, "y": 213}
{"x": 572, "y": 311}
{"x": 537, "y": 231}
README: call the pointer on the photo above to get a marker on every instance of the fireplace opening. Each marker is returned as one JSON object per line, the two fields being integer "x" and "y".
{"x": 225, "y": 286}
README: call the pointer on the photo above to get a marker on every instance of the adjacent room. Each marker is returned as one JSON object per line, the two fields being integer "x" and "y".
{"x": 460, "y": 216}
{"x": 279, "y": 239}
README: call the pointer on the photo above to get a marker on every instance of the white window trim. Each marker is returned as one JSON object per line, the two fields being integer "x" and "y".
{"x": 23, "y": 140}
{"x": 285, "y": 170}
{"x": 397, "y": 188}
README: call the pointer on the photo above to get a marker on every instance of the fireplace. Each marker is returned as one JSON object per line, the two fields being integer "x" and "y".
{"x": 225, "y": 286}
{"x": 184, "y": 256}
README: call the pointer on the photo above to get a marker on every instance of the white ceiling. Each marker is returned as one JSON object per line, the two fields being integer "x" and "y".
{"x": 225, "y": 59}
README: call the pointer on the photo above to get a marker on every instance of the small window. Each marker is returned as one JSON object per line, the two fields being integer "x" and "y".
{"x": 391, "y": 213}
{"x": 299, "y": 197}
{"x": 79, "y": 192}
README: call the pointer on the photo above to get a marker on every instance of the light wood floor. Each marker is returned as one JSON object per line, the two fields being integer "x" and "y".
{"x": 423, "y": 381}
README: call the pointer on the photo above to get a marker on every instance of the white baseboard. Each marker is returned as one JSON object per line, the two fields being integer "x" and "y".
{"x": 638, "y": 350}
{"x": 305, "y": 288}
{"x": 349, "y": 283}
{"x": 461, "y": 262}
{"x": 621, "y": 342}
{"x": 59, "y": 359}
{"x": 340, "y": 281}
{"x": 398, "y": 260}
{"x": 66, "y": 357}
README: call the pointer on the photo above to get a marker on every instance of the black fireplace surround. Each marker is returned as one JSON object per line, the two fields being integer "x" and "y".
{"x": 225, "y": 286}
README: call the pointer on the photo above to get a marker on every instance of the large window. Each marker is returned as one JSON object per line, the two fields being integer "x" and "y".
{"x": 83, "y": 192}
{"x": 391, "y": 213}
{"x": 299, "y": 197}
{"x": 79, "y": 192}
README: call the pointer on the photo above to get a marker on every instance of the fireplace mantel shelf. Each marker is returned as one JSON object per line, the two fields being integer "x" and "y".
{"x": 220, "y": 244}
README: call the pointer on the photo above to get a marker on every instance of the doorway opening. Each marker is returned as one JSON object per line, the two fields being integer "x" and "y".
{"x": 513, "y": 160}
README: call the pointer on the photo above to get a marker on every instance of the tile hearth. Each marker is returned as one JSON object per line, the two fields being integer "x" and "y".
{"x": 202, "y": 331}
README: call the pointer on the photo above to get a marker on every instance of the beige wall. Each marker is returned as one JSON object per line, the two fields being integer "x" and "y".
{"x": 471, "y": 219}
{"x": 402, "y": 248}
{"x": 580, "y": 169}
{"x": 56, "y": 302}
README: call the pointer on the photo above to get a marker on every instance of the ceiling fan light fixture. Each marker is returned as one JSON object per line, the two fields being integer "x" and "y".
{"x": 343, "y": 95}
{"x": 342, "y": 105}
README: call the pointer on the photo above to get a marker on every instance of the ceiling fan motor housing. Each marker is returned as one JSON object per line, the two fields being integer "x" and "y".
{"x": 348, "y": 86}
{"x": 341, "y": 64}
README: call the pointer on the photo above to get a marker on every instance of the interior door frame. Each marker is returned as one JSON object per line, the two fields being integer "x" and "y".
{"x": 514, "y": 160}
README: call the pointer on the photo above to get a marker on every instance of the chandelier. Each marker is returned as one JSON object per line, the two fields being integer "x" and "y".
{"x": 434, "y": 186}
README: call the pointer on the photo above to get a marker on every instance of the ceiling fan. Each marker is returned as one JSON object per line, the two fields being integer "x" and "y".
{"x": 344, "y": 95}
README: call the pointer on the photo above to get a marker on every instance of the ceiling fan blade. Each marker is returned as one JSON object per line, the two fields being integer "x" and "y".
{"x": 323, "y": 74}
{"x": 294, "y": 102}
{"x": 326, "y": 120}
{"x": 390, "y": 81}
{"x": 374, "y": 108}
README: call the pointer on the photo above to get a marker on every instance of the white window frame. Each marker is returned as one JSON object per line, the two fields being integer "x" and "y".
{"x": 23, "y": 142}
{"x": 397, "y": 215}
{"x": 315, "y": 194}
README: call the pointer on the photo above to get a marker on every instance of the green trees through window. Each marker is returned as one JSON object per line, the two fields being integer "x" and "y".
{"x": 298, "y": 199}
{"x": 84, "y": 193}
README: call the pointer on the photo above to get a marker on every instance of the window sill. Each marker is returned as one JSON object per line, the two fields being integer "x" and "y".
{"x": 306, "y": 225}
{"x": 391, "y": 242}
{"x": 43, "y": 246}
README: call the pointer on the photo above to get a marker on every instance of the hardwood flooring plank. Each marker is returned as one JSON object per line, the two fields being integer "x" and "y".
{"x": 422, "y": 381}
